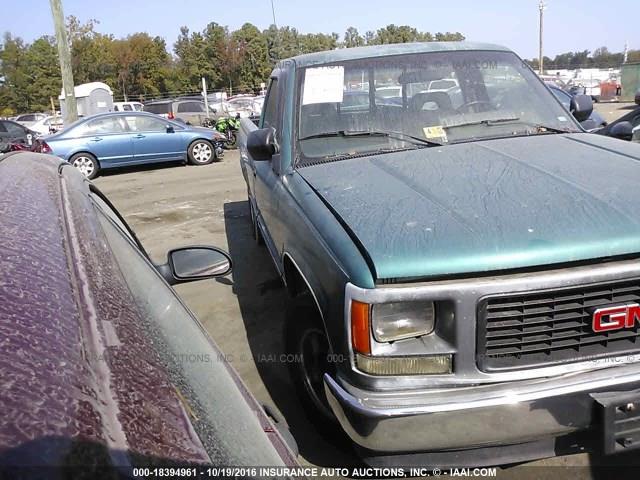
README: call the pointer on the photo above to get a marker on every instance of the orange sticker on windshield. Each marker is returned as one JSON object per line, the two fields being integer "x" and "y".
{"x": 435, "y": 133}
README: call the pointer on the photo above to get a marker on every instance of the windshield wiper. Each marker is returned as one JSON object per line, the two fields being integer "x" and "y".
{"x": 487, "y": 121}
{"x": 376, "y": 133}
{"x": 540, "y": 128}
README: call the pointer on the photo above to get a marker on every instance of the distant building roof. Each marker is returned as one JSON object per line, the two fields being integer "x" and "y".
{"x": 85, "y": 89}
{"x": 344, "y": 54}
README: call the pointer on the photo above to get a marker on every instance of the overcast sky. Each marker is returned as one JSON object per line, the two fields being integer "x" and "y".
{"x": 569, "y": 24}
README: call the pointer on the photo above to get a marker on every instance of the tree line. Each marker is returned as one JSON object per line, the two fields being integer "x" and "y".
{"x": 600, "y": 58}
{"x": 140, "y": 66}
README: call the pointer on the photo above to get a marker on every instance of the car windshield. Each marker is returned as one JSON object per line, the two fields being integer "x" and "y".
{"x": 442, "y": 97}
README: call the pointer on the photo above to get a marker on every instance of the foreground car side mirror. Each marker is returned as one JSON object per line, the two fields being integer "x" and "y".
{"x": 261, "y": 144}
{"x": 622, "y": 130}
{"x": 581, "y": 107}
{"x": 170, "y": 129}
{"x": 198, "y": 262}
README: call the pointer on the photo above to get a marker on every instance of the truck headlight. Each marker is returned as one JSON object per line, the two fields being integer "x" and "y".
{"x": 399, "y": 320}
{"x": 394, "y": 321}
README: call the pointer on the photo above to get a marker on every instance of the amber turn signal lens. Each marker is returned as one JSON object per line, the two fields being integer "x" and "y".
{"x": 360, "y": 336}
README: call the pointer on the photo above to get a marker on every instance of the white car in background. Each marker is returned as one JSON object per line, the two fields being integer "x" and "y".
{"x": 127, "y": 106}
{"x": 48, "y": 125}
{"x": 243, "y": 105}
{"x": 258, "y": 103}
{"x": 29, "y": 119}
{"x": 389, "y": 91}
{"x": 442, "y": 85}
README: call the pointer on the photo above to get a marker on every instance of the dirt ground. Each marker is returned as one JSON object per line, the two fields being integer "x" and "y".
{"x": 613, "y": 111}
{"x": 173, "y": 206}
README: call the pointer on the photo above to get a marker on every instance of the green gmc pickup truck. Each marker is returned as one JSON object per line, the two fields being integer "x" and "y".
{"x": 463, "y": 259}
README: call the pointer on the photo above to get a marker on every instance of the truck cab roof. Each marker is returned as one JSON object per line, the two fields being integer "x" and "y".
{"x": 358, "y": 53}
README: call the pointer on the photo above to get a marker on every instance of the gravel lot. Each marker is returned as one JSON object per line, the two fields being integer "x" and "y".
{"x": 613, "y": 111}
{"x": 173, "y": 206}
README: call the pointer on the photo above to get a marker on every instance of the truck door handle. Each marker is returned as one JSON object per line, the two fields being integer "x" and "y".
{"x": 139, "y": 136}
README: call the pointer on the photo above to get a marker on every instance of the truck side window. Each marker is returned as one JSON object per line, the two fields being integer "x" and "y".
{"x": 271, "y": 108}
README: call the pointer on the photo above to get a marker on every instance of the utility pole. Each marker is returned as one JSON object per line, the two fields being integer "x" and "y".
{"x": 276, "y": 40}
{"x": 64, "y": 53}
{"x": 206, "y": 98}
{"x": 541, "y": 6}
{"x": 273, "y": 12}
{"x": 626, "y": 52}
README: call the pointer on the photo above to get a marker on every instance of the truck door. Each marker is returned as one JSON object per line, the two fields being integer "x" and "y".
{"x": 266, "y": 180}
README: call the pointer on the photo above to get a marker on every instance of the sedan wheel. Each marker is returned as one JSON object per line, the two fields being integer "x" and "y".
{"x": 201, "y": 153}
{"x": 86, "y": 163}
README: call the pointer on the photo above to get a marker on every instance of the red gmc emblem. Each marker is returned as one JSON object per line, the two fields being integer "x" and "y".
{"x": 614, "y": 318}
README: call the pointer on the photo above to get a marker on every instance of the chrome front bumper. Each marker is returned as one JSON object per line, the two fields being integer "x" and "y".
{"x": 475, "y": 416}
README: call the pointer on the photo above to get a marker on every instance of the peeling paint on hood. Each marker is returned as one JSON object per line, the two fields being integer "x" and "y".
{"x": 488, "y": 205}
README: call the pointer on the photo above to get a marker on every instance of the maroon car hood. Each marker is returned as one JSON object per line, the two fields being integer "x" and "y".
{"x": 79, "y": 381}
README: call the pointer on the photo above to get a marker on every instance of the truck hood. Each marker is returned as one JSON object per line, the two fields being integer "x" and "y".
{"x": 487, "y": 205}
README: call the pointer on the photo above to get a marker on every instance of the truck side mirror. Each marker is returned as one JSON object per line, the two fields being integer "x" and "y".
{"x": 261, "y": 144}
{"x": 622, "y": 130}
{"x": 581, "y": 107}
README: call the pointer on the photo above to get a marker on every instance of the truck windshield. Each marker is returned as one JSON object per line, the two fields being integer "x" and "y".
{"x": 441, "y": 97}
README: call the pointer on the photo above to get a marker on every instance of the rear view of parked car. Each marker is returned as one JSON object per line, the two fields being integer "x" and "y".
{"x": 192, "y": 112}
{"x": 102, "y": 367}
{"x": 14, "y": 136}
{"x": 109, "y": 140}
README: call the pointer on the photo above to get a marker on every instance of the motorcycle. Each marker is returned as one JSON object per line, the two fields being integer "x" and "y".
{"x": 228, "y": 126}
{"x": 219, "y": 141}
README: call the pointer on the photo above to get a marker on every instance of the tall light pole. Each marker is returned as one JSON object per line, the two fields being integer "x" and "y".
{"x": 541, "y": 6}
{"x": 64, "y": 53}
{"x": 273, "y": 12}
{"x": 276, "y": 40}
{"x": 626, "y": 52}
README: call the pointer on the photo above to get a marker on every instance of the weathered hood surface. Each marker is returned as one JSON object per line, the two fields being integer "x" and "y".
{"x": 80, "y": 382}
{"x": 490, "y": 205}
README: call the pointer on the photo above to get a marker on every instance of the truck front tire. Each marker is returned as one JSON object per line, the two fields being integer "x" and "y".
{"x": 308, "y": 347}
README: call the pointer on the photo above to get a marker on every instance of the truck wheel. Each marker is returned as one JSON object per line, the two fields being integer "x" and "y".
{"x": 201, "y": 153}
{"x": 255, "y": 229}
{"x": 308, "y": 347}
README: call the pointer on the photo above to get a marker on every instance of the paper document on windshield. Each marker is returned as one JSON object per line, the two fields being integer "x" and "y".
{"x": 435, "y": 133}
{"x": 323, "y": 85}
